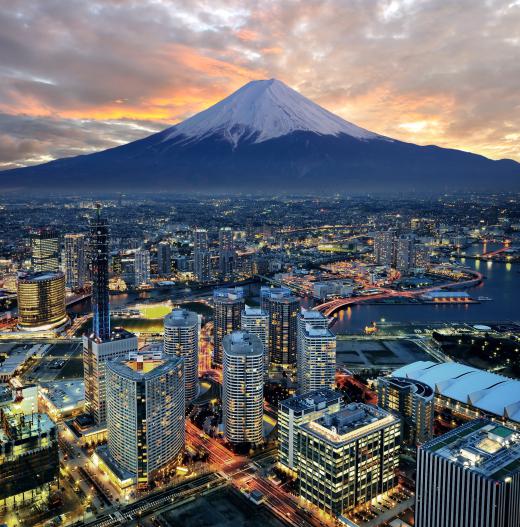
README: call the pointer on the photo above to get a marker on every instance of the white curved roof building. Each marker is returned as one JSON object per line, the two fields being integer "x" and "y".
{"x": 488, "y": 392}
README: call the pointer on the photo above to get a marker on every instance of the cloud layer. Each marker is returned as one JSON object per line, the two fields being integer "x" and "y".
{"x": 80, "y": 76}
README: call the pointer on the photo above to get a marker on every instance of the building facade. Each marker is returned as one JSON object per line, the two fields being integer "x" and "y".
{"x": 164, "y": 258}
{"x": 256, "y": 322}
{"x": 145, "y": 416}
{"x": 142, "y": 267}
{"x": 75, "y": 261}
{"x": 348, "y": 458}
{"x": 469, "y": 477}
{"x": 413, "y": 401}
{"x": 243, "y": 388}
{"x": 45, "y": 250}
{"x": 201, "y": 255}
{"x": 228, "y": 305}
{"x": 181, "y": 339}
{"x": 226, "y": 254}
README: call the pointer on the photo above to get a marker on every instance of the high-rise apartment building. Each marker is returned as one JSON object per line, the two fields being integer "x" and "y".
{"x": 164, "y": 258}
{"x": 181, "y": 339}
{"x": 226, "y": 254}
{"x": 201, "y": 255}
{"x": 75, "y": 261}
{"x": 243, "y": 388}
{"x": 413, "y": 401}
{"x": 255, "y": 321}
{"x": 45, "y": 250}
{"x": 404, "y": 253}
{"x": 228, "y": 305}
{"x": 145, "y": 416}
{"x": 142, "y": 267}
{"x": 41, "y": 301}
{"x": 296, "y": 411}
{"x": 282, "y": 309}
{"x": 469, "y": 477}
{"x": 348, "y": 458}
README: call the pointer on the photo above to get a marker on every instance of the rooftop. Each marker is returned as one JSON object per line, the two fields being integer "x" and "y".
{"x": 242, "y": 343}
{"x": 350, "y": 423}
{"x": 254, "y": 312}
{"x": 418, "y": 387}
{"x": 312, "y": 401}
{"x": 481, "y": 446}
{"x": 142, "y": 369}
{"x": 64, "y": 394}
{"x": 490, "y": 392}
{"x": 230, "y": 293}
{"x": 40, "y": 276}
{"x": 181, "y": 318}
{"x": 312, "y": 331}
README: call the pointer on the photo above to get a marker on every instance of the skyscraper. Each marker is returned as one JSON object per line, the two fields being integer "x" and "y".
{"x": 228, "y": 305}
{"x": 282, "y": 309}
{"x": 99, "y": 272}
{"x": 469, "y": 477}
{"x": 413, "y": 401}
{"x": 41, "y": 301}
{"x": 145, "y": 416}
{"x": 75, "y": 261}
{"x": 243, "y": 388}
{"x": 226, "y": 255}
{"x": 404, "y": 253}
{"x": 201, "y": 255}
{"x": 181, "y": 339}
{"x": 384, "y": 248}
{"x": 102, "y": 344}
{"x": 142, "y": 267}
{"x": 164, "y": 258}
{"x": 45, "y": 250}
{"x": 255, "y": 321}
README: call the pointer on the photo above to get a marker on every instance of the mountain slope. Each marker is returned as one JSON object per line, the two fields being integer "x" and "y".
{"x": 266, "y": 137}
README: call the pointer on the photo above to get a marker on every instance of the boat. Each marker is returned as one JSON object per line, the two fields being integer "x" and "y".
{"x": 484, "y": 298}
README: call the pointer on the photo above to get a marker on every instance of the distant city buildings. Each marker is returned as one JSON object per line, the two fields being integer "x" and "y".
{"x": 181, "y": 339}
{"x": 41, "y": 301}
{"x": 75, "y": 261}
{"x": 348, "y": 458}
{"x": 468, "y": 477}
{"x": 201, "y": 255}
{"x": 228, "y": 305}
{"x": 413, "y": 401}
{"x": 145, "y": 417}
{"x": 142, "y": 267}
{"x": 226, "y": 255}
{"x": 384, "y": 248}
{"x": 243, "y": 388}
{"x": 45, "y": 250}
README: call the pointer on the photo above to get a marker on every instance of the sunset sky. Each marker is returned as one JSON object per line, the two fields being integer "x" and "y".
{"x": 82, "y": 75}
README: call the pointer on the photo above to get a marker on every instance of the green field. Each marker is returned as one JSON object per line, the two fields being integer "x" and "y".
{"x": 156, "y": 311}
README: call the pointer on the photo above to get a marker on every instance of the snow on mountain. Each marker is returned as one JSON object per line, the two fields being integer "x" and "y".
{"x": 263, "y": 110}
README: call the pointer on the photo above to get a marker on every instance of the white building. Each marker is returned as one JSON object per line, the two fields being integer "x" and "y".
{"x": 181, "y": 339}
{"x": 145, "y": 416}
{"x": 242, "y": 388}
{"x": 255, "y": 321}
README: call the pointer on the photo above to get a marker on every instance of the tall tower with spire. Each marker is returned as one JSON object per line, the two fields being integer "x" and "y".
{"x": 99, "y": 270}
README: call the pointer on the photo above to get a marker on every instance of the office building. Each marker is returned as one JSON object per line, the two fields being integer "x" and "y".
{"x": 255, "y": 321}
{"x": 41, "y": 301}
{"x": 164, "y": 258}
{"x": 228, "y": 305}
{"x": 96, "y": 354}
{"x": 226, "y": 254}
{"x": 181, "y": 339}
{"x": 348, "y": 458}
{"x": 467, "y": 392}
{"x": 201, "y": 255}
{"x": 142, "y": 267}
{"x": 243, "y": 388}
{"x": 384, "y": 248}
{"x": 317, "y": 359}
{"x": 296, "y": 411}
{"x": 469, "y": 477}
{"x": 422, "y": 256}
{"x": 282, "y": 309}
{"x": 413, "y": 401}
{"x": 75, "y": 261}
{"x": 45, "y": 250}
{"x": 145, "y": 417}
{"x": 29, "y": 458}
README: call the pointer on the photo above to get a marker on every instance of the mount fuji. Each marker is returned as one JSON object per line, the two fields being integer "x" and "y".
{"x": 267, "y": 138}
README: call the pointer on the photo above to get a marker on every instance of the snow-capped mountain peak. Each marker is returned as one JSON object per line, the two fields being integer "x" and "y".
{"x": 263, "y": 110}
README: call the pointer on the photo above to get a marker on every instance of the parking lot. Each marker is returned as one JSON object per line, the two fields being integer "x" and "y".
{"x": 62, "y": 361}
